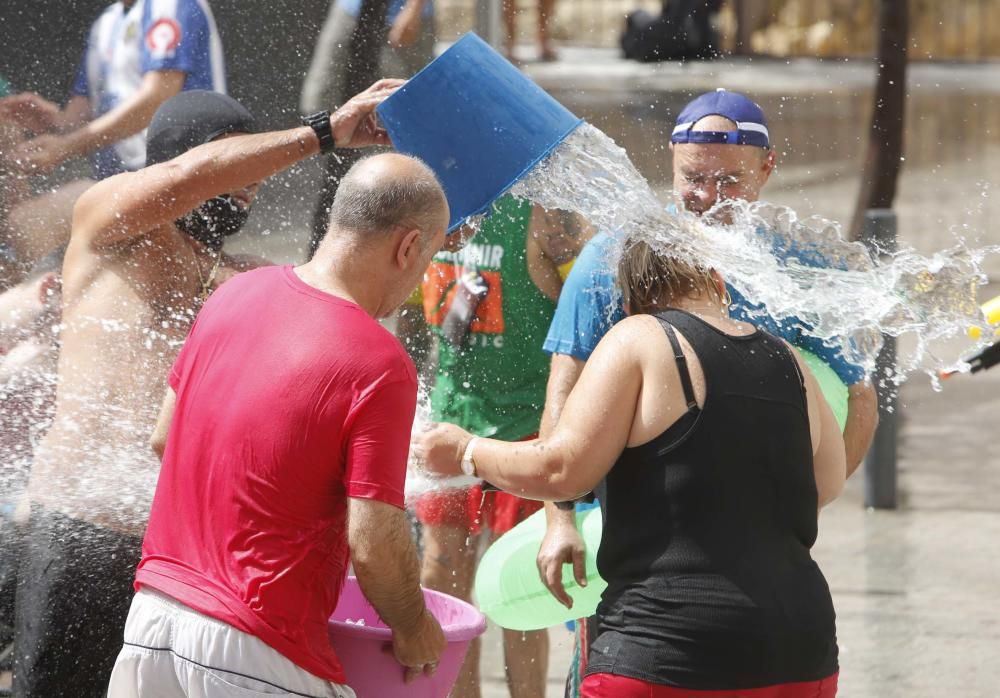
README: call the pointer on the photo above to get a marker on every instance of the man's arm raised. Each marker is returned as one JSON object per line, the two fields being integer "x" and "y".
{"x": 555, "y": 239}
{"x": 130, "y": 204}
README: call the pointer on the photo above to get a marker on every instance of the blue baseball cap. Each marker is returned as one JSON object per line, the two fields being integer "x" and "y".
{"x": 751, "y": 126}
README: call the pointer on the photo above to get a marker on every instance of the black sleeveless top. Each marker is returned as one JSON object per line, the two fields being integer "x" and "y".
{"x": 707, "y": 531}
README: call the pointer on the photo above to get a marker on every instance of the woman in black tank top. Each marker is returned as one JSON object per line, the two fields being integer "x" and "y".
{"x": 711, "y": 450}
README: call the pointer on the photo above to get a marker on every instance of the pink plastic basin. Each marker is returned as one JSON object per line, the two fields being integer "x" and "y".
{"x": 374, "y": 672}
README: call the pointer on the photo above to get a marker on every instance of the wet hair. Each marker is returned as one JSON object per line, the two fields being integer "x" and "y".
{"x": 653, "y": 280}
{"x": 371, "y": 204}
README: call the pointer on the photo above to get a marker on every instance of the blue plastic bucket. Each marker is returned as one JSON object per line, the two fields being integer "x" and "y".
{"x": 477, "y": 121}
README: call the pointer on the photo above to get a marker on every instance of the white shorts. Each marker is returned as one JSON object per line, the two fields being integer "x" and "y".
{"x": 172, "y": 651}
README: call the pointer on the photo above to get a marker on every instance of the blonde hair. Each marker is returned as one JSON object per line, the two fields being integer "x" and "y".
{"x": 651, "y": 280}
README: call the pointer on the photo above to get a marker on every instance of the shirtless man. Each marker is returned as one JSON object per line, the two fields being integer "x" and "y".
{"x": 144, "y": 253}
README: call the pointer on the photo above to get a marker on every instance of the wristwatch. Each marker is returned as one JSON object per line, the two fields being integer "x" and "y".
{"x": 468, "y": 464}
{"x": 320, "y": 124}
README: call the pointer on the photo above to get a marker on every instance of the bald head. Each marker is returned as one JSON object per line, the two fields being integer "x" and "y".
{"x": 383, "y": 192}
{"x": 714, "y": 122}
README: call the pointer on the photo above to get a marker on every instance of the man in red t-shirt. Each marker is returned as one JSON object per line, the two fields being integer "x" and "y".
{"x": 284, "y": 434}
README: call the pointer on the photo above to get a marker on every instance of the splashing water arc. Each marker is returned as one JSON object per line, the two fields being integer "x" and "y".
{"x": 845, "y": 295}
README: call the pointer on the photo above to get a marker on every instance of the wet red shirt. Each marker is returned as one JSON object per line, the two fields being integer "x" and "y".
{"x": 289, "y": 400}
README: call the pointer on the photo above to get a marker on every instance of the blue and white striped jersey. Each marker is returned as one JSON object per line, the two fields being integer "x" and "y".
{"x": 128, "y": 41}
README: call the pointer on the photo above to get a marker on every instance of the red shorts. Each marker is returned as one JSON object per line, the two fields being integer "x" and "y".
{"x": 472, "y": 509}
{"x": 614, "y": 686}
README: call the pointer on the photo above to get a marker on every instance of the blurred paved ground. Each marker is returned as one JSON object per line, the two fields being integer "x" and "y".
{"x": 602, "y": 69}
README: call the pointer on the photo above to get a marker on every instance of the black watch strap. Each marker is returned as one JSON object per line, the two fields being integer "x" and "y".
{"x": 320, "y": 124}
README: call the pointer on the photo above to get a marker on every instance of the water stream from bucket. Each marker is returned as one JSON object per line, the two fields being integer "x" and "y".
{"x": 845, "y": 295}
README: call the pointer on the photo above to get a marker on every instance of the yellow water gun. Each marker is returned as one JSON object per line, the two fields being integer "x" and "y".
{"x": 990, "y": 356}
{"x": 991, "y": 310}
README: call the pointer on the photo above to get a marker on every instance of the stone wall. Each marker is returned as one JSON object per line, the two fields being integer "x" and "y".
{"x": 940, "y": 29}
{"x": 956, "y": 30}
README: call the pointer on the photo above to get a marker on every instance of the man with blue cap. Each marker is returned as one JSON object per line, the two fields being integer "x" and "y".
{"x": 705, "y": 172}
{"x": 721, "y": 152}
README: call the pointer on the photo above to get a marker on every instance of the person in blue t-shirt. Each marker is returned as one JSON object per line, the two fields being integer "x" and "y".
{"x": 138, "y": 54}
{"x": 721, "y": 151}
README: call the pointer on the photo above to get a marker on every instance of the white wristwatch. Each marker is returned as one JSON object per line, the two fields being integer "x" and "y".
{"x": 468, "y": 464}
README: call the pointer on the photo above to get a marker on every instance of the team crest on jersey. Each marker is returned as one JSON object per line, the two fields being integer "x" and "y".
{"x": 163, "y": 37}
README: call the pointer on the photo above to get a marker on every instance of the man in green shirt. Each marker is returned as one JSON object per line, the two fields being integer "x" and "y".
{"x": 490, "y": 305}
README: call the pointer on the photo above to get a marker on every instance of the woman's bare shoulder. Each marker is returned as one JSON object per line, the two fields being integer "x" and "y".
{"x": 630, "y": 337}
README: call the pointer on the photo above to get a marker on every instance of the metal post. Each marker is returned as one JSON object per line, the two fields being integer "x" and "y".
{"x": 879, "y": 234}
{"x": 749, "y": 14}
{"x": 489, "y": 24}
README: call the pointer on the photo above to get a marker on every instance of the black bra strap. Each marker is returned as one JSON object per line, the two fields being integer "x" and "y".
{"x": 682, "y": 366}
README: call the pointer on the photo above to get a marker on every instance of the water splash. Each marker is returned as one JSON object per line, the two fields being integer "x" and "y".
{"x": 27, "y": 392}
{"x": 418, "y": 481}
{"x": 91, "y": 458}
{"x": 794, "y": 266}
